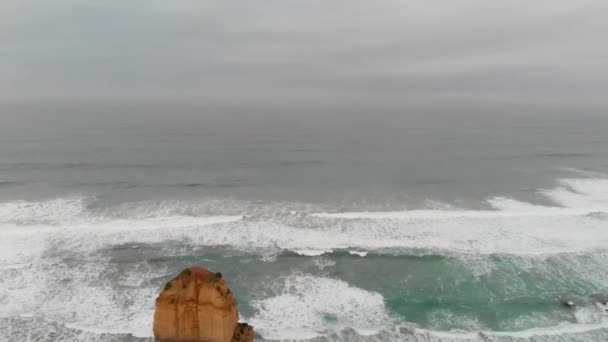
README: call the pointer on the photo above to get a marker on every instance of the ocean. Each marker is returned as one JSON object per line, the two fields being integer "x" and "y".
{"x": 357, "y": 171}
{"x": 399, "y": 229}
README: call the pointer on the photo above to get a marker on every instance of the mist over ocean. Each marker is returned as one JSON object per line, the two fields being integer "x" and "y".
{"x": 384, "y": 170}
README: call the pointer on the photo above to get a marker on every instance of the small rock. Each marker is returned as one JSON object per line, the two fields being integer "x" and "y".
{"x": 569, "y": 304}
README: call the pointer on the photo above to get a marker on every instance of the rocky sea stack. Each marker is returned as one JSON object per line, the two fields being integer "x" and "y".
{"x": 198, "y": 306}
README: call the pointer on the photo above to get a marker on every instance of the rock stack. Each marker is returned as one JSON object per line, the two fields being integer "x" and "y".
{"x": 198, "y": 306}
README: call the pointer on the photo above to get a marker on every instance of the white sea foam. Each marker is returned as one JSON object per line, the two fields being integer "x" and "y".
{"x": 54, "y": 211}
{"x": 310, "y": 306}
{"x": 445, "y": 317}
{"x": 19, "y": 243}
{"x": 36, "y": 282}
{"x": 513, "y": 227}
{"x": 591, "y": 314}
{"x": 311, "y": 252}
{"x": 504, "y": 208}
{"x": 79, "y": 296}
{"x": 30, "y": 230}
{"x": 564, "y": 332}
{"x": 322, "y": 263}
{"x": 73, "y": 210}
{"x": 590, "y": 194}
{"x": 573, "y": 197}
{"x": 564, "y": 328}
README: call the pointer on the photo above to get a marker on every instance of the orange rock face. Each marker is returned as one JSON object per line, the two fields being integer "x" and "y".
{"x": 197, "y": 306}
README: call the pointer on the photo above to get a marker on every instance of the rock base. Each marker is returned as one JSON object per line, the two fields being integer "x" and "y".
{"x": 243, "y": 333}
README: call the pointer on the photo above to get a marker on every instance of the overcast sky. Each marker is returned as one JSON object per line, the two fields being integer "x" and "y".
{"x": 304, "y": 51}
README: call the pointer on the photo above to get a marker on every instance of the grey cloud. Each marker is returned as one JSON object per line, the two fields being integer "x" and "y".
{"x": 298, "y": 51}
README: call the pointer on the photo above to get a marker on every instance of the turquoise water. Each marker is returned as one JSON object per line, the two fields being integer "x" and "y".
{"x": 79, "y": 266}
{"x": 312, "y": 272}
{"x": 486, "y": 293}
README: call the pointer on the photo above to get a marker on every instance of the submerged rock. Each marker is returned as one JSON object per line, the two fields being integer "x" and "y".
{"x": 568, "y": 304}
{"x": 198, "y": 306}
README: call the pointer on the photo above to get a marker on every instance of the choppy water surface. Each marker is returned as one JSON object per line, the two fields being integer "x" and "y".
{"x": 91, "y": 231}
{"x": 358, "y": 171}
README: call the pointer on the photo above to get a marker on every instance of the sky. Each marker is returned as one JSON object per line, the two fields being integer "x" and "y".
{"x": 305, "y": 52}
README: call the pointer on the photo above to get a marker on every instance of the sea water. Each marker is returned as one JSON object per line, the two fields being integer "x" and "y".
{"x": 98, "y": 213}
{"x": 358, "y": 171}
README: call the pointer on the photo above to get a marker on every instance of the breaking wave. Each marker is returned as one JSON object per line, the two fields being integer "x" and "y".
{"x": 511, "y": 226}
{"x": 54, "y": 263}
{"x": 308, "y": 306}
